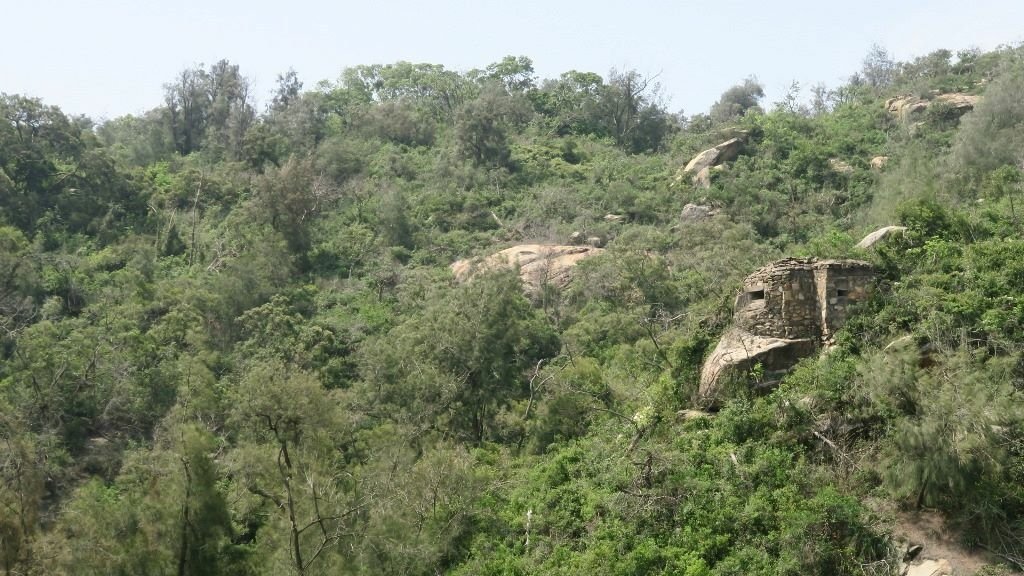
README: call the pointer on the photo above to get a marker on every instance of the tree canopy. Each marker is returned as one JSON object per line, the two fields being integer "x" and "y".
{"x": 231, "y": 340}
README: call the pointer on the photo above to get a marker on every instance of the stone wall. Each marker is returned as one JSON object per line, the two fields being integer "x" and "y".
{"x": 786, "y": 311}
{"x": 801, "y": 297}
{"x": 840, "y": 284}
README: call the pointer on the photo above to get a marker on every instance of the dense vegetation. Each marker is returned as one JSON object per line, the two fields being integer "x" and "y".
{"x": 231, "y": 343}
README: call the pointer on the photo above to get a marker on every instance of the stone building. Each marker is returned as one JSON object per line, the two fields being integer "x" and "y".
{"x": 801, "y": 298}
{"x": 786, "y": 311}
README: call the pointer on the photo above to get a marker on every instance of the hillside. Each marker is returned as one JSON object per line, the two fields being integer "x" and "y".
{"x": 284, "y": 341}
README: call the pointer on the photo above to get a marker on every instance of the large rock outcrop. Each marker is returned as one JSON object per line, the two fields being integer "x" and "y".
{"x": 739, "y": 352}
{"x": 883, "y": 234}
{"x": 699, "y": 168}
{"x": 939, "y": 567}
{"x": 960, "y": 102}
{"x": 904, "y": 107}
{"x": 539, "y": 264}
{"x": 696, "y": 213}
{"x": 840, "y": 166}
{"x": 786, "y": 311}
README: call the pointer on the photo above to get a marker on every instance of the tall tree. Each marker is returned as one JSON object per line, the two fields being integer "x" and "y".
{"x": 738, "y": 100}
{"x": 209, "y": 109}
{"x": 515, "y": 73}
{"x": 288, "y": 465}
{"x": 461, "y": 361}
{"x": 483, "y": 124}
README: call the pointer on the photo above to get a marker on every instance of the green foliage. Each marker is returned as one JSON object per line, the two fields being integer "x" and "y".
{"x": 54, "y": 175}
{"x": 461, "y": 360}
{"x": 231, "y": 343}
{"x": 991, "y": 135}
{"x": 209, "y": 110}
{"x": 482, "y": 125}
{"x": 738, "y": 100}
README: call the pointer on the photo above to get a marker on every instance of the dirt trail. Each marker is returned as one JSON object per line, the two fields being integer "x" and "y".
{"x": 927, "y": 529}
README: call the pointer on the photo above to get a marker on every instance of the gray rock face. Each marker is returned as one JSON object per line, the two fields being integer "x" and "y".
{"x": 930, "y": 568}
{"x": 786, "y": 311}
{"x": 702, "y": 179}
{"x": 881, "y": 235}
{"x": 699, "y": 168}
{"x": 539, "y": 264}
{"x": 696, "y": 213}
{"x": 840, "y": 166}
{"x": 962, "y": 103}
{"x": 739, "y": 351}
{"x": 904, "y": 107}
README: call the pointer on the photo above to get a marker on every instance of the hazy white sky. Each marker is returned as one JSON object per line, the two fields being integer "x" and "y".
{"x": 105, "y": 58}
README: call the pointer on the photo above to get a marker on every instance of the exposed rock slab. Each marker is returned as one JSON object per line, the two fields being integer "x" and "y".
{"x": 840, "y": 166}
{"x": 908, "y": 105}
{"x": 738, "y": 351}
{"x": 931, "y": 568}
{"x": 696, "y": 213}
{"x": 723, "y": 152}
{"x": 702, "y": 179}
{"x": 881, "y": 235}
{"x": 539, "y": 264}
{"x": 688, "y": 415}
{"x": 786, "y": 311}
{"x": 699, "y": 167}
{"x": 963, "y": 103}
{"x": 904, "y": 106}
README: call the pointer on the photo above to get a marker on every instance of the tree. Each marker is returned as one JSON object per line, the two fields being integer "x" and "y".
{"x": 992, "y": 136}
{"x": 138, "y": 140}
{"x": 230, "y": 112}
{"x": 961, "y": 417}
{"x": 52, "y": 170}
{"x": 515, "y": 73}
{"x": 738, "y": 100}
{"x": 209, "y": 109}
{"x": 482, "y": 126}
{"x": 18, "y": 287}
{"x": 630, "y": 109}
{"x": 289, "y": 88}
{"x": 164, "y": 514}
{"x": 627, "y": 108}
{"x": 291, "y": 197}
{"x": 425, "y": 505}
{"x": 288, "y": 467}
{"x": 22, "y": 475}
{"x": 440, "y": 91}
{"x": 879, "y": 70}
{"x": 570, "y": 102}
{"x": 187, "y": 100}
{"x": 462, "y": 360}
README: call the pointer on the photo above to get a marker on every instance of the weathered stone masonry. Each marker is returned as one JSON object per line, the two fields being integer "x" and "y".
{"x": 786, "y": 311}
{"x": 801, "y": 298}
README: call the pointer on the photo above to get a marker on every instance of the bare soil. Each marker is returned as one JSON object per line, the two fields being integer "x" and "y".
{"x": 928, "y": 529}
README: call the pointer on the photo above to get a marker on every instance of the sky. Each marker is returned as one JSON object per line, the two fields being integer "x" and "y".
{"x": 107, "y": 58}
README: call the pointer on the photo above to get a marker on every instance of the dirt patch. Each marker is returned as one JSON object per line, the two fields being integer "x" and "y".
{"x": 927, "y": 529}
